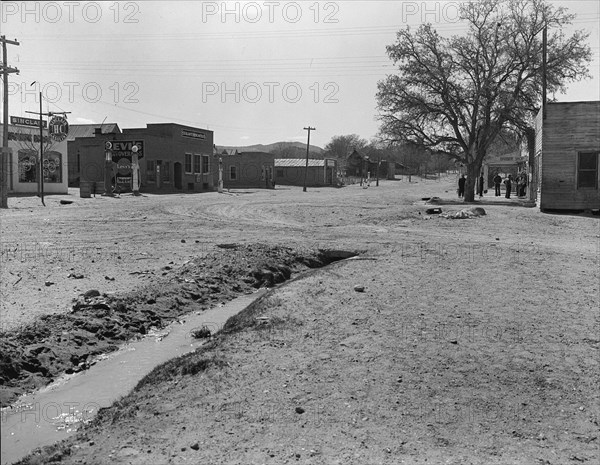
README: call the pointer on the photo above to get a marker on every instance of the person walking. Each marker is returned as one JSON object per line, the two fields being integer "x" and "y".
{"x": 497, "y": 183}
{"x": 461, "y": 186}
{"x": 508, "y": 183}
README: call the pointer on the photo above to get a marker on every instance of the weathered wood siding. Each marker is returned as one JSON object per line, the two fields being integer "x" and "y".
{"x": 569, "y": 128}
{"x": 539, "y": 131}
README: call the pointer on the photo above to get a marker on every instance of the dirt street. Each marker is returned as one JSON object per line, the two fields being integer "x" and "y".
{"x": 461, "y": 341}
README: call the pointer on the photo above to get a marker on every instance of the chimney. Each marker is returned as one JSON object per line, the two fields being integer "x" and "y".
{"x": 98, "y": 130}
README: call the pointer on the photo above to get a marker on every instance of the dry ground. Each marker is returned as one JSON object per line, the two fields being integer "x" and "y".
{"x": 474, "y": 341}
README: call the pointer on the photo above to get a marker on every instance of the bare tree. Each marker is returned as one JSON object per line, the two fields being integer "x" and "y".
{"x": 456, "y": 95}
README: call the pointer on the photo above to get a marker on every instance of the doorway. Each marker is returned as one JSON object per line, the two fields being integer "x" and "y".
{"x": 177, "y": 178}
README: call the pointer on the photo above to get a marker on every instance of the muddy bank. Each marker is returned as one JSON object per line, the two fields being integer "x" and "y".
{"x": 98, "y": 323}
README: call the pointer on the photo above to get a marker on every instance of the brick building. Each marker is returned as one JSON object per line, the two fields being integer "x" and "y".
{"x": 245, "y": 170}
{"x": 172, "y": 157}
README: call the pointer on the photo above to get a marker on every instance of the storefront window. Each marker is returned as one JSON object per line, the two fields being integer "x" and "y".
{"x": 52, "y": 167}
{"x": 27, "y": 166}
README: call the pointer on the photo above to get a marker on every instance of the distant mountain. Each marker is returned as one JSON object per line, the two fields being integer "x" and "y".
{"x": 284, "y": 149}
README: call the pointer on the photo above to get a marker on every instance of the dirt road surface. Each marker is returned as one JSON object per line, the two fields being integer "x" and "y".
{"x": 467, "y": 341}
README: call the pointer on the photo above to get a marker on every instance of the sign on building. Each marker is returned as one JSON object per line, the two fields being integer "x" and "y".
{"x": 58, "y": 128}
{"x": 124, "y": 149}
{"x": 122, "y": 152}
{"x": 193, "y": 134}
{"x": 29, "y": 122}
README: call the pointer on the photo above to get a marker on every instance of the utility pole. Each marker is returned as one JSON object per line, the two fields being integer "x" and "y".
{"x": 49, "y": 114}
{"x": 4, "y": 162}
{"x": 307, "y": 147}
{"x": 544, "y": 75}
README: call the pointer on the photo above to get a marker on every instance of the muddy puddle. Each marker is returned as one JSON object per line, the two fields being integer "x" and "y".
{"x": 57, "y": 411}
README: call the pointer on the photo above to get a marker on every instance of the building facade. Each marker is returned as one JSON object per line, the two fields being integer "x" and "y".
{"x": 507, "y": 163}
{"x": 292, "y": 172}
{"x": 84, "y": 130}
{"x": 171, "y": 157}
{"x": 361, "y": 166}
{"x": 23, "y": 161}
{"x": 246, "y": 170}
{"x": 567, "y": 150}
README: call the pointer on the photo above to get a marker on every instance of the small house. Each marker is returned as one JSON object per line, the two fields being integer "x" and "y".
{"x": 363, "y": 166}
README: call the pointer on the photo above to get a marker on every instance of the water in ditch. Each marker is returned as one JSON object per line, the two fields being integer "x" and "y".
{"x": 55, "y": 412}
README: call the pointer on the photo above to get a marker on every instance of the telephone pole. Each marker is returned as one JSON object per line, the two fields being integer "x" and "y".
{"x": 307, "y": 148}
{"x": 4, "y": 161}
{"x": 544, "y": 72}
{"x": 41, "y": 164}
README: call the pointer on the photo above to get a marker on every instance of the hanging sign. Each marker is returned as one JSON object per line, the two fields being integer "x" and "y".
{"x": 58, "y": 128}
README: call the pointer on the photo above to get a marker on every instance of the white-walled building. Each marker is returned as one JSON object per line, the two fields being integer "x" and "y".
{"x": 23, "y": 161}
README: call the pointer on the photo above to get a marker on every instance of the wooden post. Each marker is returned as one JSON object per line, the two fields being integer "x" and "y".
{"x": 4, "y": 160}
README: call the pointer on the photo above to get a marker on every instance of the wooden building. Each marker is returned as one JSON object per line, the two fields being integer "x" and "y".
{"x": 358, "y": 165}
{"x": 567, "y": 149}
{"x": 291, "y": 172}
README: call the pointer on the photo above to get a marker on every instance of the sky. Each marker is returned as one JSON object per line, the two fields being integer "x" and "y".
{"x": 252, "y": 72}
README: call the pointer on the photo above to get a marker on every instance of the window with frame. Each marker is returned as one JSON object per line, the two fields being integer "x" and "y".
{"x": 188, "y": 163}
{"x": 197, "y": 164}
{"x": 587, "y": 170}
{"x": 233, "y": 173}
{"x": 205, "y": 166}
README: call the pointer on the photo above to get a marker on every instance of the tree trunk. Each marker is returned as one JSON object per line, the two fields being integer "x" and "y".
{"x": 473, "y": 170}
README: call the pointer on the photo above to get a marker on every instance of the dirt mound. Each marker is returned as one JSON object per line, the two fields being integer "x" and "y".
{"x": 98, "y": 323}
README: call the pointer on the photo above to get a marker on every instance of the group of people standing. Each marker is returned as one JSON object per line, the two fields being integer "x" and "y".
{"x": 521, "y": 182}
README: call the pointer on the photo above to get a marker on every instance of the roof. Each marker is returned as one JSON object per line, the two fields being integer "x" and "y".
{"x": 88, "y": 130}
{"x": 580, "y": 102}
{"x": 297, "y": 162}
